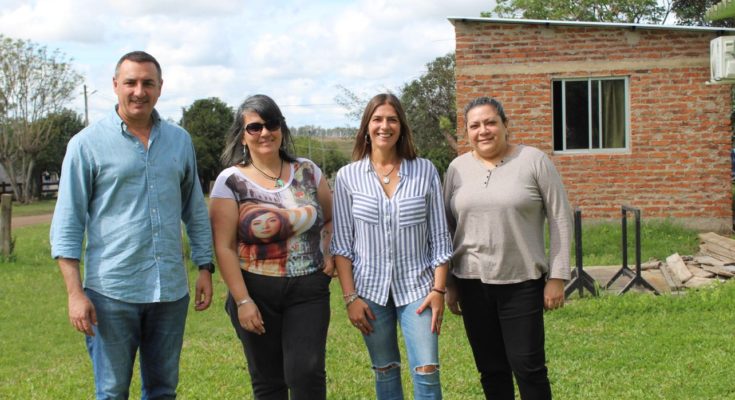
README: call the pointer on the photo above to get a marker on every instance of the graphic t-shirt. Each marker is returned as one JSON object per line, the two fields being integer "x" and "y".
{"x": 279, "y": 229}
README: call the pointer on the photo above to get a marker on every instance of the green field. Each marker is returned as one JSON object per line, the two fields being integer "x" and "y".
{"x": 635, "y": 346}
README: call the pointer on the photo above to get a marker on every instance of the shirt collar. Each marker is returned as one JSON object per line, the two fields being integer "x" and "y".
{"x": 119, "y": 121}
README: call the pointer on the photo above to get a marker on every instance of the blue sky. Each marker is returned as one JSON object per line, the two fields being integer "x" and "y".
{"x": 295, "y": 51}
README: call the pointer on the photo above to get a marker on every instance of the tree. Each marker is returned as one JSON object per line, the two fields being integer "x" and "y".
{"x": 691, "y": 12}
{"x": 64, "y": 124}
{"x": 34, "y": 83}
{"x": 629, "y": 11}
{"x": 352, "y": 102}
{"x": 208, "y": 120}
{"x": 430, "y": 106}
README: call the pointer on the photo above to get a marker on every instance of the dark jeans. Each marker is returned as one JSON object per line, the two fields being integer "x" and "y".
{"x": 505, "y": 328}
{"x": 290, "y": 355}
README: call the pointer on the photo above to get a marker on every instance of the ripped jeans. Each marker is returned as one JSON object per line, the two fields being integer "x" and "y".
{"x": 422, "y": 347}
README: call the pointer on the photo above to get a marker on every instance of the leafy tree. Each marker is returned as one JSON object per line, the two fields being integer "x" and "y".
{"x": 207, "y": 120}
{"x": 64, "y": 124}
{"x": 430, "y": 106}
{"x": 34, "y": 83}
{"x": 352, "y": 102}
{"x": 691, "y": 12}
{"x": 630, "y": 11}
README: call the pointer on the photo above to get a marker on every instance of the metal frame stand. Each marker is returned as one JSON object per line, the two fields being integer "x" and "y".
{"x": 580, "y": 279}
{"x": 637, "y": 277}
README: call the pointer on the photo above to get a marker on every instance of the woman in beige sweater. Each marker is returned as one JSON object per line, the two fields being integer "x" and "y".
{"x": 498, "y": 197}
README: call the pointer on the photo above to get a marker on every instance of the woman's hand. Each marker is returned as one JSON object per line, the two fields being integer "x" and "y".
{"x": 435, "y": 300}
{"x": 329, "y": 266}
{"x": 452, "y": 298}
{"x": 250, "y": 318}
{"x": 554, "y": 294}
{"x": 360, "y": 315}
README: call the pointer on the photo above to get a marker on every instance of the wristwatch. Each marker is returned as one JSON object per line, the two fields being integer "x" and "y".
{"x": 208, "y": 267}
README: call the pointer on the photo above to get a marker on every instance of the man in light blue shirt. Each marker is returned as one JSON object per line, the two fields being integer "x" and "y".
{"x": 128, "y": 181}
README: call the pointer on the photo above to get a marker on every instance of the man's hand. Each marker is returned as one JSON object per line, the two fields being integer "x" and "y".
{"x": 203, "y": 292}
{"x": 82, "y": 314}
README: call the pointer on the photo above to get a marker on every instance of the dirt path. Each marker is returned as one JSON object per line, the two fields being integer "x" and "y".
{"x": 30, "y": 220}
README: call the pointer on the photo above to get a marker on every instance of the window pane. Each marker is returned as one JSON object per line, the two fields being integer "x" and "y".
{"x": 577, "y": 118}
{"x": 613, "y": 114}
{"x": 558, "y": 117}
{"x": 595, "y": 114}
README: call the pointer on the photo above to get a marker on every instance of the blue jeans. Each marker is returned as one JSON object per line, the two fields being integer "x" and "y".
{"x": 156, "y": 329}
{"x": 422, "y": 347}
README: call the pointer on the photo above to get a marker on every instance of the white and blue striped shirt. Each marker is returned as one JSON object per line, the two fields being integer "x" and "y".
{"x": 394, "y": 243}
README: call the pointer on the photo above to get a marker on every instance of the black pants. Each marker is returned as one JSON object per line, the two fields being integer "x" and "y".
{"x": 290, "y": 355}
{"x": 505, "y": 328}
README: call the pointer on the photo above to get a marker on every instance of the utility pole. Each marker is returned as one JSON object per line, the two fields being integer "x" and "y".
{"x": 86, "y": 108}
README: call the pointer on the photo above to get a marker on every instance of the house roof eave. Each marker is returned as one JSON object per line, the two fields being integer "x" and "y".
{"x": 631, "y": 26}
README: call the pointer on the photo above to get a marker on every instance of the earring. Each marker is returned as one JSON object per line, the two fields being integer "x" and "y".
{"x": 367, "y": 138}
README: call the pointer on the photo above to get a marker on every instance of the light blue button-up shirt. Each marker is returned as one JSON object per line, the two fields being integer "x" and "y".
{"x": 131, "y": 201}
{"x": 394, "y": 243}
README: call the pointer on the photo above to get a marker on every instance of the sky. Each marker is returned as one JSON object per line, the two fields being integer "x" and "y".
{"x": 296, "y": 51}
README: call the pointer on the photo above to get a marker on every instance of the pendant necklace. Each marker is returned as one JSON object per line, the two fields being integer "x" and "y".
{"x": 386, "y": 177}
{"x": 278, "y": 182}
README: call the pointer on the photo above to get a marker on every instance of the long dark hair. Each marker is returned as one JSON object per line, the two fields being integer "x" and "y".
{"x": 235, "y": 152}
{"x": 405, "y": 147}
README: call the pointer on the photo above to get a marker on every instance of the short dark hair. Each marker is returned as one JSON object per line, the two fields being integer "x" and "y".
{"x": 235, "y": 152}
{"x": 486, "y": 101}
{"x": 139, "y": 57}
{"x": 405, "y": 147}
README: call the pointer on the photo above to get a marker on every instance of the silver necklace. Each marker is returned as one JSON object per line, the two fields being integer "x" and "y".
{"x": 386, "y": 177}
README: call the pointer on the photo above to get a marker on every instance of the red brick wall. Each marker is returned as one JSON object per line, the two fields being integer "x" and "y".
{"x": 678, "y": 163}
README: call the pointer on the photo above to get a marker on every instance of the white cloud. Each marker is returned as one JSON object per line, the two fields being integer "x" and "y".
{"x": 296, "y": 51}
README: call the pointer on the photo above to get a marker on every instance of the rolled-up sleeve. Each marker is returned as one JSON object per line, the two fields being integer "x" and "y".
{"x": 342, "y": 243}
{"x": 70, "y": 214}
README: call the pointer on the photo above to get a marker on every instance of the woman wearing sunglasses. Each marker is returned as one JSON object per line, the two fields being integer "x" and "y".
{"x": 391, "y": 246}
{"x": 278, "y": 301}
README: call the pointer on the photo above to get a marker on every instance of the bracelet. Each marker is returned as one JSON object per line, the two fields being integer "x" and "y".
{"x": 244, "y": 301}
{"x": 350, "y": 298}
{"x": 442, "y": 291}
{"x": 348, "y": 295}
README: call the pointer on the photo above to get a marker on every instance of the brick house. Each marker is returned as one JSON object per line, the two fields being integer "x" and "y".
{"x": 624, "y": 110}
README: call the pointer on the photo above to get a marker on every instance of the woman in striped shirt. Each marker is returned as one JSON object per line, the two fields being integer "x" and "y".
{"x": 391, "y": 247}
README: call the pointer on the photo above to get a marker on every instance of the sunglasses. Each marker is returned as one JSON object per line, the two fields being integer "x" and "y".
{"x": 254, "y": 128}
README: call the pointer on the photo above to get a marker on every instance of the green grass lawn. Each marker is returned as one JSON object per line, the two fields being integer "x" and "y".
{"x": 635, "y": 346}
{"x": 39, "y": 207}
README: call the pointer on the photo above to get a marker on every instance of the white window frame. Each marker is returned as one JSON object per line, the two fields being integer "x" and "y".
{"x": 589, "y": 80}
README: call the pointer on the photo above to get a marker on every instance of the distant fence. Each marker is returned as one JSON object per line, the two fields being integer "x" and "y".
{"x": 48, "y": 188}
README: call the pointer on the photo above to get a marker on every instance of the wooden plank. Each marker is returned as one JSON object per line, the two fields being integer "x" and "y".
{"x": 671, "y": 280}
{"x": 716, "y": 252}
{"x": 705, "y": 259}
{"x": 719, "y": 239}
{"x": 696, "y": 271}
{"x": 717, "y": 270}
{"x": 726, "y": 245}
{"x": 677, "y": 267}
